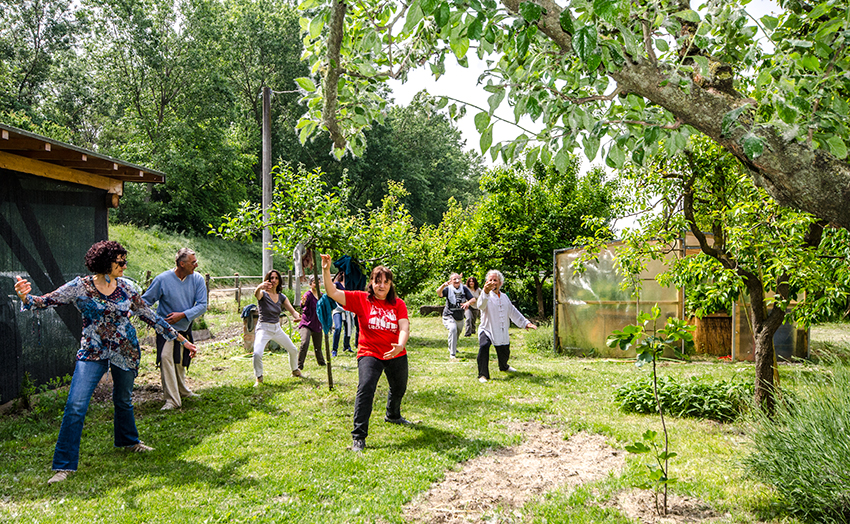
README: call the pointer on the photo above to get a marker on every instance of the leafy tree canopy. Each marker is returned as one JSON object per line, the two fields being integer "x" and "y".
{"x": 418, "y": 147}
{"x": 628, "y": 78}
{"x": 525, "y": 215}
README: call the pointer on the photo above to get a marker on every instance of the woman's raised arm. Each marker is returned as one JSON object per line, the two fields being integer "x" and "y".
{"x": 337, "y": 295}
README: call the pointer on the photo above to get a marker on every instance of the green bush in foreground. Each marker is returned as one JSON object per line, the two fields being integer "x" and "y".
{"x": 804, "y": 450}
{"x": 722, "y": 401}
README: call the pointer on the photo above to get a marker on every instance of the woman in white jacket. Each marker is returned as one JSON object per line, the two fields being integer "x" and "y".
{"x": 497, "y": 312}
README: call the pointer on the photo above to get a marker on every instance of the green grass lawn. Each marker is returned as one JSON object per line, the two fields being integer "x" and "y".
{"x": 279, "y": 453}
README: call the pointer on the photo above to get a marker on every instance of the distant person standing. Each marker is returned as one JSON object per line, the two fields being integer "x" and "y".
{"x": 472, "y": 313}
{"x": 270, "y": 302}
{"x": 458, "y": 299}
{"x": 310, "y": 328}
{"x": 182, "y": 297}
{"x": 497, "y": 312}
{"x": 341, "y": 319}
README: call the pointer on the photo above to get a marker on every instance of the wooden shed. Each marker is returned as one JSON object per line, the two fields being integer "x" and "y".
{"x": 54, "y": 204}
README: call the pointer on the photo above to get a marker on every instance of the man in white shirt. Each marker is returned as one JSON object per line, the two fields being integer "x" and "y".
{"x": 497, "y": 312}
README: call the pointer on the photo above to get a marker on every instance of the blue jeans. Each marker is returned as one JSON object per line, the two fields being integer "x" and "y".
{"x": 340, "y": 325}
{"x": 369, "y": 370}
{"x": 87, "y": 374}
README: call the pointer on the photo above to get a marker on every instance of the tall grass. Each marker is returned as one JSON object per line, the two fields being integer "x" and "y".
{"x": 803, "y": 452}
{"x": 153, "y": 249}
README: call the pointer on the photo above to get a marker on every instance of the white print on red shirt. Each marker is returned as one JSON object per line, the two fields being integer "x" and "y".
{"x": 383, "y": 319}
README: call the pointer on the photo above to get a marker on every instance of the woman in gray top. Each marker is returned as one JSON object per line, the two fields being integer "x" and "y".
{"x": 270, "y": 301}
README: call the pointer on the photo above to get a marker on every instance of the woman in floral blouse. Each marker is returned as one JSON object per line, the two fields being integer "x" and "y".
{"x": 109, "y": 341}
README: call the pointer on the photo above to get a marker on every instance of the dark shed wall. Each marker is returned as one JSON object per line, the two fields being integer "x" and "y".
{"x": 46, "y": 227}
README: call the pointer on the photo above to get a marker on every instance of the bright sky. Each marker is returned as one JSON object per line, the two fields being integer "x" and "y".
{"x": 461, "y": 83}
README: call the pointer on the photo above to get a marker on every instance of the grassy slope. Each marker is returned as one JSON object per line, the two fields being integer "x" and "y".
{"x": 153, "y": 250}
{"x": 278, "y": 453}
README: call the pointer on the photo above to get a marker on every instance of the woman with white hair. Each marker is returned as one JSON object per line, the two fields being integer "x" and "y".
{"x": 497, "y": 313}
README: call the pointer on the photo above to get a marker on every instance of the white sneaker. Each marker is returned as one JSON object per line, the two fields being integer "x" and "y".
{"x": 510, "y": 370}
{"x": 168, "y": 407}
{"x": 482, "y": 379}
{"x": 59, "y": 476}
{"x": 139, "y": 447}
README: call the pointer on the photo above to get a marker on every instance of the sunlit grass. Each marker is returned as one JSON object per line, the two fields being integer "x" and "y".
{"x": 279, "y": 453}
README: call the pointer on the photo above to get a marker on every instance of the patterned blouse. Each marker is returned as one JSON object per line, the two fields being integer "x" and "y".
{"x": 107, "y": 331}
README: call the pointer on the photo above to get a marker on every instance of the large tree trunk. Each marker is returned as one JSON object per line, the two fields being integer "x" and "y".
{"x": 794, "y": 174}
{"x": 765, "y": 326}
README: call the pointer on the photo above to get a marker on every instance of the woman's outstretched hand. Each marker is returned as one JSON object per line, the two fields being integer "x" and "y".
{"x": 22, "y": 288}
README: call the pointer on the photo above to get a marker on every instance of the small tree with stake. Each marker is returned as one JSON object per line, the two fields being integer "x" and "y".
{"x": 302, "y": 210}
{"x": 650, "y": 345}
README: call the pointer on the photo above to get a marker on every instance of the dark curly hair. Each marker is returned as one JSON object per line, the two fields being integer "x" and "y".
{"x": 102, "y": 254}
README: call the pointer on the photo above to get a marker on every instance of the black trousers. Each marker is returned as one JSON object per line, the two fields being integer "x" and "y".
{"x": 369, "y": 370}
{"x": 503, "y": 353}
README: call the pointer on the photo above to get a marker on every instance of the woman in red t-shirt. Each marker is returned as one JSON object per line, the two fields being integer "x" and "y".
{"x": 384, "y": 330}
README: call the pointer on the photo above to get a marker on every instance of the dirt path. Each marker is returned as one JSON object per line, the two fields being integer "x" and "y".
{"x": 507, "y": 478}
{"x": 503, "y": 480}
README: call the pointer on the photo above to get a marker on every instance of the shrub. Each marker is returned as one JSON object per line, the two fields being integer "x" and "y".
{"x": 540, "y": 340}
{"x": 804, "y": 450}
{"x": 722, "y": 401}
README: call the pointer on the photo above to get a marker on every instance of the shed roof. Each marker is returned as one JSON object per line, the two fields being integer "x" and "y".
{"x": 38, "y": 155}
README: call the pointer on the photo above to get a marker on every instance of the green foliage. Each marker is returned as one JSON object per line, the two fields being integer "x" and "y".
{"x": 803, "y": 451}
{"x": 651, "y": 343}
{"x": 560, "y": 75}
{"x": 656, "y": 474}
{"x": 649, "y": 346}
{"x": 750, "y": 239}
{"x": 45, "y": 402}
{"x": 417, "y": 146}
{"x": 722, "y": 401}
{"x": 524, "y": 216}
{"x": 304, "y": 209}
{"x": 540, "y": 340}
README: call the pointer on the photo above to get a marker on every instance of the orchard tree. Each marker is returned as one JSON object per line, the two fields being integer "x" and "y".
{"x": 630, "y": 77}
{"x": 756, "y": 249}
{"x": 526, "y": 214}
{"x": 304, "y": 209}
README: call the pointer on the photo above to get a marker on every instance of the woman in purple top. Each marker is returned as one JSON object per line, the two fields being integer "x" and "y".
{"x": 108, "y": 342}
{"x": 310, "y": 327}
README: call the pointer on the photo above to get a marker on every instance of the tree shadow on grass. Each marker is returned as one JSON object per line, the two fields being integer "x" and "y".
{"x": 104, "y": 468}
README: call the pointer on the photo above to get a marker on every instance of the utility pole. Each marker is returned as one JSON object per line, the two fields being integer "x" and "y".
{"x": 267, "y": 178}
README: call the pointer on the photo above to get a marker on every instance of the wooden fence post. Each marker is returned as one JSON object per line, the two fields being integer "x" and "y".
{"x": 207, "y": 284}
{"x": 238, "y": 292}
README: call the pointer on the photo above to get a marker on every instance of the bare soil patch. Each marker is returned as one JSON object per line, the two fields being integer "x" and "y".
{"x": 507, "y": 478}
{"x": 639, "y": 504}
